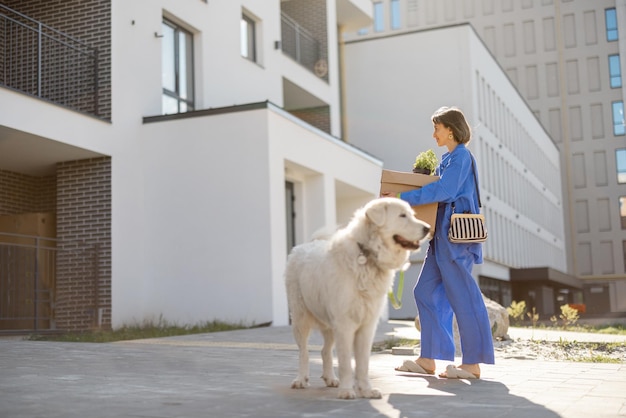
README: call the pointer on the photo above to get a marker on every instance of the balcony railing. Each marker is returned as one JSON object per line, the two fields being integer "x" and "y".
{"x": 39, "y": 60}
{"x": 300, "y": 44}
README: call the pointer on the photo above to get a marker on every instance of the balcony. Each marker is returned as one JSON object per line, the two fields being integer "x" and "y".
{"x": 41, "y": 61}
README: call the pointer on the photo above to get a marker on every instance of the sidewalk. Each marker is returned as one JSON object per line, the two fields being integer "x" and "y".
{"x": 247, "y": 373}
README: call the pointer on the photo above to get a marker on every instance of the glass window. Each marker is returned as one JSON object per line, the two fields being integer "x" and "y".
{"x": 248, "y": 41}
{"x": 622, "y": 211}
{"x": 176, "y": 69}
{"x": 615, "y": 71}
{"x": 394, "y": 7}
{"x": 620, "y": 159}
{"x": 379, "y": 24}
{"x": 611, "y": 24}
{"x": 618, "y": 118}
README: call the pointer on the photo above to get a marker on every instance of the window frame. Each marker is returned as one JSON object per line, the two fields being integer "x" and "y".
{"x": 379, "y": 17}
{"x": 622, "y": 130}
{"x": 620, "y": 169}
{"x": 395, "y": 20}
{"x": 251, "y": 38}
{"x": 611, "y": 32}
{"x": 614, "y": 58}
{"x": 189, "y": 102}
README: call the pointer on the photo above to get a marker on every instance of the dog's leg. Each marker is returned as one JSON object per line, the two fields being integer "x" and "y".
{"x": 328, "y": 373}
{"x": 362, "y": 349}
{"x": 301, "y": 335}
{"x": 344, "y": 344}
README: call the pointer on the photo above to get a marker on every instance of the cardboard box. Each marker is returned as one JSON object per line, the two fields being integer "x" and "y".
{"x": 399, "y": 181}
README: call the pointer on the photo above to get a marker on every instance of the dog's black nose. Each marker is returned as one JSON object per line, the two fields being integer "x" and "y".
{"x": 426, "y": 230}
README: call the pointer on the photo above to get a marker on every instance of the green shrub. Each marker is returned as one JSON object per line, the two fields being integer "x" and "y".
{"x": 517, "y": 310}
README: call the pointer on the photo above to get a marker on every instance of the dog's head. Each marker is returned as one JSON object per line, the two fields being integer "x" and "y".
{"x": 396, "y": 221}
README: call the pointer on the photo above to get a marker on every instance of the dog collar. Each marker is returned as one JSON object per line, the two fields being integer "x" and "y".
{"x": 362, "y": 258}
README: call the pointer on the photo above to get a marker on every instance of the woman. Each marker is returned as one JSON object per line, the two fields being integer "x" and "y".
{"x": 445, "y": 284}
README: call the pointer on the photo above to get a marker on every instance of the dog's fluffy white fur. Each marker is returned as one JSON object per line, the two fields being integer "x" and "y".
{"x": 338, "y": 285}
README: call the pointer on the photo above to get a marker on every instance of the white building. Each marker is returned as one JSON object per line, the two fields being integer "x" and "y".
{"x": 168, "y": 186}
{"x": 566, "y": 59}
{"x": 163, "y": 156}
{"x": 393, "y": 86}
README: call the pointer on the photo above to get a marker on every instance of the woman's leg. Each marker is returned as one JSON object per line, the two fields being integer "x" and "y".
{"x": 435, "y": 313}
{"x": 471, "y": 314}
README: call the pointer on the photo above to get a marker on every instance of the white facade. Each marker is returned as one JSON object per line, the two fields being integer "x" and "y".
{"x": 394, "y": 84}
{"x": 198, "y": 213}
{"x": 556, "y": 53}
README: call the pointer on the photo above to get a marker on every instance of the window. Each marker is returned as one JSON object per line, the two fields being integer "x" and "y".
{"x": 176, "y": 69}
{"x": 615, "y": 71}
{"x": 248, "y": 38}
{"x": 618, "y": 118}
{"x": 379, "y": 24}
{"x": 395, "y": 14}
{"x": 620, "y": 159}
{"x": 622, "y": 211}
{"x": 611, "y": 24}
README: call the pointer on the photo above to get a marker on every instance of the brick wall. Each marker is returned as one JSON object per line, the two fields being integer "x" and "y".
{"x": 88, "y": 21}
{"x": 316, "y": 116}
{"x": 83, "y": 286}
{"x": 20, "y": 193}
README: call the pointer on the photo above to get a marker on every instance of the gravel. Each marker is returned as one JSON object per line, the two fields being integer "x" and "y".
{"x": 561, "y": 350}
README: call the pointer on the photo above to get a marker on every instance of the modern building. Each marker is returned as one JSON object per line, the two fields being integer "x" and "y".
{"x": 159, "y": 158}
{"x": 391, "y": 92}
{"x": 565, "y": 58}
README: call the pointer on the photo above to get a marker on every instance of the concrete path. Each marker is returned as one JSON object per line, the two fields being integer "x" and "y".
{"x": 247, "y": 373}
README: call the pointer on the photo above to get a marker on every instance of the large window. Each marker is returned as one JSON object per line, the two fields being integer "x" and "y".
{"x": 620, "y": 163}
{"x": 611, "y": 24}
{"x": 248, "y": 38}
{"x": 379, "y": 23}
{"x": 394, "y": 9}
{"x": 615, "y": 71}
{"x": 176, "y": 69}
{"x": 618, "y": 118}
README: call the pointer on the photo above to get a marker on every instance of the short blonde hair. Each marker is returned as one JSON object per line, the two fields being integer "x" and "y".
{"x": 454, "y": 119}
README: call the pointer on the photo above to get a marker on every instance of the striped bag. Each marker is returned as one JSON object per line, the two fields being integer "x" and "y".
{"x": 467, "y": 227}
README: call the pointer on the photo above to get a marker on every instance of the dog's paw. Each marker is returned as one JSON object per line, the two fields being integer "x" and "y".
{"x": 300, "y": 383}
{"x": 331, "y": 382}
{"x": 346, "y": 394}
{"x": 370, "y": 393}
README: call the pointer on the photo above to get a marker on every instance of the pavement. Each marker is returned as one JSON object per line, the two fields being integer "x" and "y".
{"x": 247, "y": 373}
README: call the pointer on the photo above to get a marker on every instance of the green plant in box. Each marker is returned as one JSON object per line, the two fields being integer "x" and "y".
{"x": 425, "y": 162}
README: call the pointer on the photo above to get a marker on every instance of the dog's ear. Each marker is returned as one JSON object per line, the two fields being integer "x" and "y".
{"x": 377, "y": 213}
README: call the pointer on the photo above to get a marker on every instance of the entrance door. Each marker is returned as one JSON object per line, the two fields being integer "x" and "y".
{"x": 290, "y": 214}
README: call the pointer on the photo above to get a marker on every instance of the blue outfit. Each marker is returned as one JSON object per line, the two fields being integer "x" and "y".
{"x": 445, "y": 284}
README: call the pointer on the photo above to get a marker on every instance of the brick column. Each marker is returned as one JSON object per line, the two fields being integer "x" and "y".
{"x": 83, "y": 283}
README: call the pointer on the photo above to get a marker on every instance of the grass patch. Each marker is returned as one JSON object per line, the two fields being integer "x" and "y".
{"x": 393, "y": 342}
{"x": 614, "y": 329}
{"x": 136, "y": 332}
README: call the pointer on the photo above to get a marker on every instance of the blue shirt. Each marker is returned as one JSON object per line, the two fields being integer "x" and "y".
{"x": 456, "y": 185}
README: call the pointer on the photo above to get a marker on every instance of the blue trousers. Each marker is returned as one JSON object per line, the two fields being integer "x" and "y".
{"x": 445, "y": 287}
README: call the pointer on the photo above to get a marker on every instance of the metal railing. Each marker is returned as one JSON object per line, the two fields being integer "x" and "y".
{"x": 39, "y": 60}
{"x": 299, "y": 43}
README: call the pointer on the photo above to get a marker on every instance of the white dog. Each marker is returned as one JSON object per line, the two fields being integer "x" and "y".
{"x": 339, "y": 286}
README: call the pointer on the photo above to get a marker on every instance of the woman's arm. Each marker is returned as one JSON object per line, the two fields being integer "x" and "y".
{"x": 447, "y": 188}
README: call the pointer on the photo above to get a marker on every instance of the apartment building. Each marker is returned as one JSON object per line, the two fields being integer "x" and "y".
{"x": 158, "y": 159}
{"x": 565, "y": 58}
